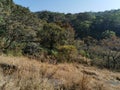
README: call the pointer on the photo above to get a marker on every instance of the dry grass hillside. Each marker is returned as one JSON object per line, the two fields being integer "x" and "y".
{"x": 20, "y": 73}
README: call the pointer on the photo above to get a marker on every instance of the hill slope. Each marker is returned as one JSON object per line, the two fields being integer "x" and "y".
{"x": 51, "y": 38}
{"x": 20, "y": 73}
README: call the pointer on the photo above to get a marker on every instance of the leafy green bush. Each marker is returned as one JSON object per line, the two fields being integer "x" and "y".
{"x": 108, "y": 34}
{"x": 13, "y": 52}
{"x": 31, "y": 49}
{"x": 67, "y": 53}
{"x": 84, "y": 53}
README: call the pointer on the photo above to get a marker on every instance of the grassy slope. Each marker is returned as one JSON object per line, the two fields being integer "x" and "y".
{"x": 33, "y": 75}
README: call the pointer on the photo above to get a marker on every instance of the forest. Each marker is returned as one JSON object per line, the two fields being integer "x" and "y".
{"x": 91, "y": 38}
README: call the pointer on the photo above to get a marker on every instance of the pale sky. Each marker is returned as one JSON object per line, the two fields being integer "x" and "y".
{"x": 70, "y": 6}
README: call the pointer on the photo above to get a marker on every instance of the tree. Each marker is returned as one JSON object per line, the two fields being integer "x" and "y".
{"x": 51, "y": 36}
{"x": 69, "y": 33}
{"x": 108, "y": 34}
{"x": 18, "y": 26}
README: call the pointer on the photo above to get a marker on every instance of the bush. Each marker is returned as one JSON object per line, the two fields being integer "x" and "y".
{"x": 13, "y": 52}
{"x": 67, "y": 53}
{"x": 108, "y": 34}
{"x": 84, "y": 53}
{"x": 31, "y": 49}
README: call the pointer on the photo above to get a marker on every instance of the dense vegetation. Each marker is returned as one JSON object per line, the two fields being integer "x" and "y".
{"x": 87, "y": 23}
{"x": 58, "y": 37}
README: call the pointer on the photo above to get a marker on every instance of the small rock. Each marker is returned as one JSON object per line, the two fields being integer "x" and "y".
{"x": 118, "y": 78}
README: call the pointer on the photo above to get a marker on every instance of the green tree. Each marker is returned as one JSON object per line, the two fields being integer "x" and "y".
{"x": 51, "y": 36}
{"x": 108, "y": 34}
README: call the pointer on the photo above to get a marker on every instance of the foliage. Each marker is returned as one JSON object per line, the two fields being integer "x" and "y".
{"x": 67, "y": 53}
{"x": 108, "y": 34}
{"x": 31, "y": 49}
{"x": 51, "y": 36}
{"x": 83, "y": 53}
{"x": 87, "y": 23}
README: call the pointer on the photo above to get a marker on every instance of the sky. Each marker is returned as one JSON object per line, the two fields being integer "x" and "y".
{"x": 69, "y": 6}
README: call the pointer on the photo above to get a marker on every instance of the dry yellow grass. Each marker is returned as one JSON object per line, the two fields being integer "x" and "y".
{"x": 34, "y": 75}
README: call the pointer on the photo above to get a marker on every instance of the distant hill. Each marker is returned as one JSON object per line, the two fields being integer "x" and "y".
{"x": 87, "y": 23}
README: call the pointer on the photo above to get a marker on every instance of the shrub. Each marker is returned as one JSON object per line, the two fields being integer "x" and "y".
{"x": 67, "y": 53}
{"x": 31, "y": 49}
{"x": 84, "y": 53}
{"x": 108, "y": 34}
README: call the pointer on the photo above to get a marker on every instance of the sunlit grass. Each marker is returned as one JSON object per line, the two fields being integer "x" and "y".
{"x": 34, "y": 75}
